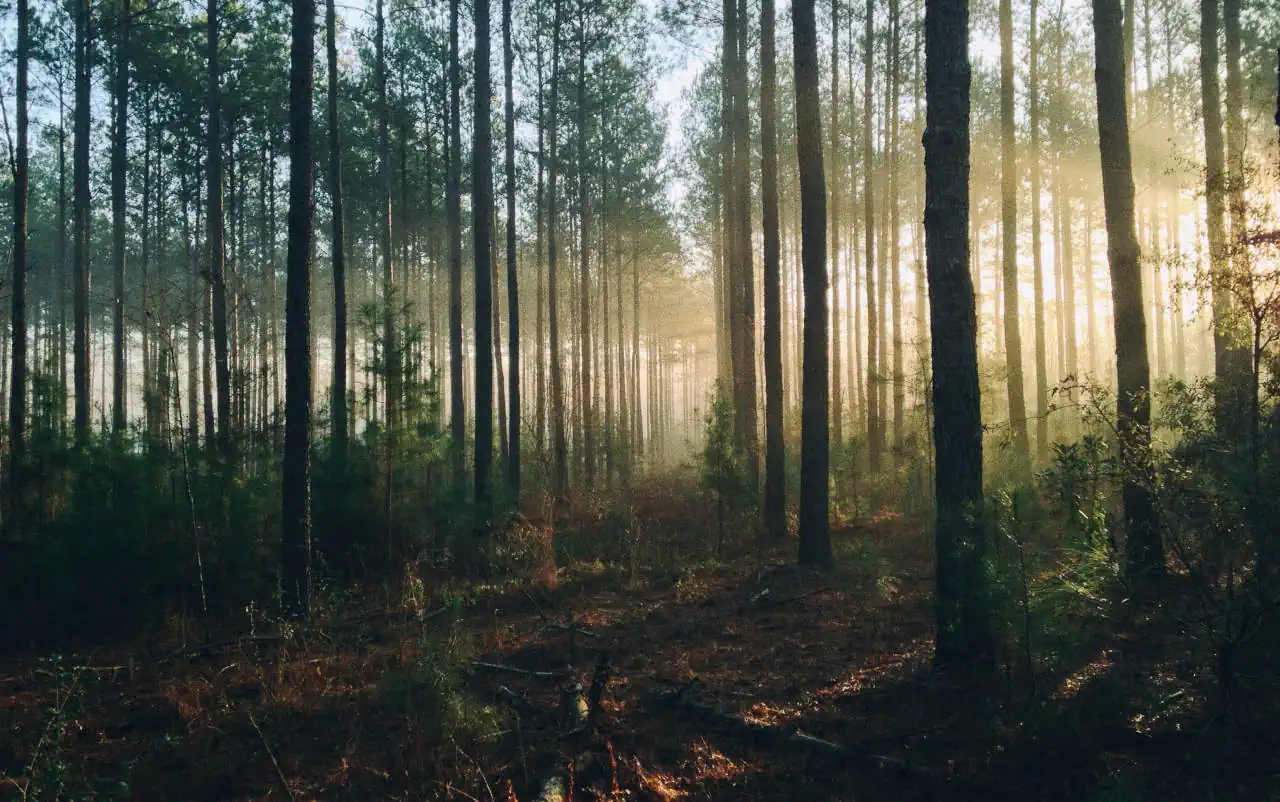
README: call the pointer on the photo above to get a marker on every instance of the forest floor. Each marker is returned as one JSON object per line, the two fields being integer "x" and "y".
{"x": 714, "y": 669}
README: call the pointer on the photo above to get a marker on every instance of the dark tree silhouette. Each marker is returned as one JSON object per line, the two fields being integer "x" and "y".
{"x": 21, "y": 179}
{"x": 964, "y": 637}
{"x": 513, "y": 291}
{"x": 482, "y": 242}
{"x": 815, "y": 535}
{"x": 339, "y": 435}
{"x": 295, "y": 521}
{"x": 1133, "y": 398}
{"x": 775, "y": 512}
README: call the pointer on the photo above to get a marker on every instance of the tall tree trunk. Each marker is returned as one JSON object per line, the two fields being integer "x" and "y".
{"x": 21, "y": 179}
{"x": 453, "y": 213}
{"x": 390, "y": 346}
{"x": 482, "y": 243}
{"x": 559, "y": 446}
{"x": 815, "y": 537}
{"x": 895, "y": 226}
{"x": 81, "y": 217}
{"x": 119, "y": 156}
{"x": 1037, "y": 266}
{"x": 540, "y": 387}
{"x": 338, "y": 404}
{"x": 1009, "y": 247}
{"x": 745, "y": 393}
{"x": 62, "y": 256}
{"x": 1235, "y": 176}
{"x": 1133, "y": 403}
{"x": 295, "y": 519}
{"x": 775, "y": 511}
{"x": 1225, "y": 354}
{"x": 217, "y": 255}
{"x": 837, "y": 403}
{"x": 875, "y": 428}
{"x": 585, "y": 388}
{"x": 513, "y": 291}
{"x": 964, "y": 636}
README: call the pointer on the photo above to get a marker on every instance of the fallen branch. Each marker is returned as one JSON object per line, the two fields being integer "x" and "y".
{"x": 599, "y": 683}
{"x": 789, "y": 734}
{"x": 283, "y": 782}
{"x": 210, "y": 648}
{"x": 520, "y": 704}
{"x": 524, "y": 672}
{"x": 572, "y": 628}
{"x": 763, "y": 599}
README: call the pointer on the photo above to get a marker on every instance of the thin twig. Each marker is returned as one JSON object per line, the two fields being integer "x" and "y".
{"x": 279, "y": 773}
{"x": 525, "y": 672}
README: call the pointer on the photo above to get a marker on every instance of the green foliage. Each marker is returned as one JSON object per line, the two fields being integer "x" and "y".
{"x": 50, "y": 772}
{"x": 725, "y": 476}
{"x": 865, "y": 567}
{"x": 123, "y": 538}
{"x": 430, "y": 690}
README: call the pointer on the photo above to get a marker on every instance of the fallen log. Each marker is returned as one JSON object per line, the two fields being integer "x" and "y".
{"x": 524, "y": 672}
{"x": 777, "y": 734}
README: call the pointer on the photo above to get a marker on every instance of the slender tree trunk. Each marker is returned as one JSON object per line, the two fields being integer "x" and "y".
{"x": 875, "y": 429}
{"x": 338, "y": 403}
{"x": 584, "y": 265}
{"x": 390, "y": 346}
{"x": 295, "y": 521}
{"x": 453, "y": 213}
{"x": 1226, "y": 361}
{"x": 964, "y": 636}
{"x": 540, "y": 403}
{"x": 895, "y": 227}
{"x": 746, "y": 396}
{"x": 775, "y": 511}
{"x": 81, "y": 217}
{"x": 1133, "y": 403}
{"x": 482, "y": 243}
{"x": 1037, "y": 266}
{"x": 559, "y": 447}
{"x": 21, "y": 180}
{"x": 119, "y": 156}
{"x": 62, "y": 256}
{"x": 815, "y": 538}
{"x": 513, "y": 290}
{"x": 1009, "y": 247}
{"x": 837, "y": 403}
{"x": 217, "y": 255}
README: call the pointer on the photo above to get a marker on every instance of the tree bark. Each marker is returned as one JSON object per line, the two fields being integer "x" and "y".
{"x": 338, "y": 404}
{"x": 295, "y": 523}
{"x": 81, "y": 218}
{"x": 119, "y": 166}
{"x": 482, "y": 243}
{"x": 837, "y": 402}
{"x": 815, "y": 537}
{"x": 1037, "y": 266}
{"x": 513, "y": 290}
{"x": 215, "y": 233}
{"x": 1133, "y": 402}
{"x": 1009, "y": 248}
{"x": 964, "y": 636}
{"x": 453, "y": 214}
{"x": 875, "y": 429}
{"x": 390, "y": 345}
{"x": 21, "y": 181}
{"x": 775, "y": 513}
